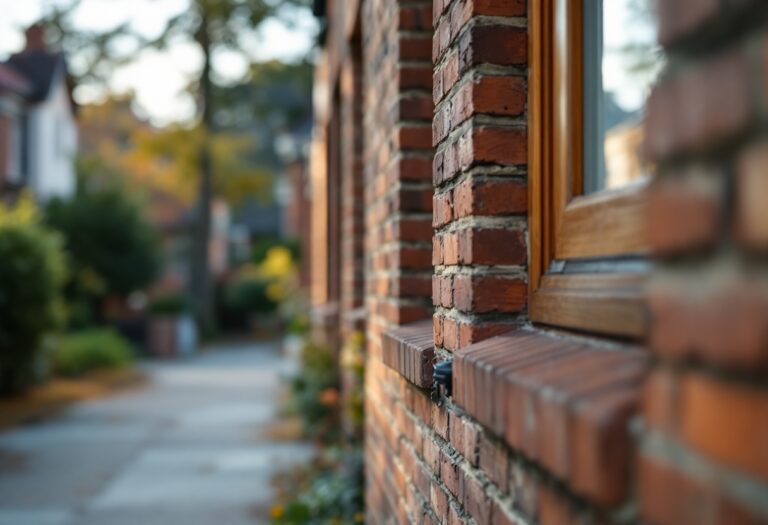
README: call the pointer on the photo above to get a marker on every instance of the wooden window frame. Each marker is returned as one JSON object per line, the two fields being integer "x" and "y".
{"x": 601, "y": 235}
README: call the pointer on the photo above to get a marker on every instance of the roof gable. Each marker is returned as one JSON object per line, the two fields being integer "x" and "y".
{"x": 41, "y": 68}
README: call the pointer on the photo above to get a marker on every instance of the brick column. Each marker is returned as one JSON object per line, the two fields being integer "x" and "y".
{"x": 704, "y": 456}
{"x": 398, "y": 159}
{"x": 352, "y": 204}
{"x": 479, "y": 175}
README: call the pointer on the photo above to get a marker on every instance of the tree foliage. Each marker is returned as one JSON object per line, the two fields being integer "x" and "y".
{"x": 32, "y": 273}
{"x": 113, "y": 250}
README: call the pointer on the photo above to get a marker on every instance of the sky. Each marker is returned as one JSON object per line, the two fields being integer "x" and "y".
{"x": 621, "y": 29}
{"x": 156, "y": 77}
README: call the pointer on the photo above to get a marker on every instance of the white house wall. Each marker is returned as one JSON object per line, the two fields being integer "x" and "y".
{"x": 52, "y": 145}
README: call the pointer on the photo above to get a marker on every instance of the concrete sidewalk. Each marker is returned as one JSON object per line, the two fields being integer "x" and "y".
{"x": 188, "y": 449}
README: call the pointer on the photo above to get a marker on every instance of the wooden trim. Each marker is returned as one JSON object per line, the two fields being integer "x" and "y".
{"x": 563, "y": 222}
{"x": 611, "y": 304}
{"x": 539, "y": 102}
{"x": 604, "y": 224}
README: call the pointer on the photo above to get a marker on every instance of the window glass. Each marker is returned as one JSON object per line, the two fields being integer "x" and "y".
{"x": 621, "y": 63}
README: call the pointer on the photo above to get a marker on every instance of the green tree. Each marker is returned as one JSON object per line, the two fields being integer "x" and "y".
{"x": 112, "y": 249}
{"x": 32, "y": 273}
{"x": 213, "y": 26}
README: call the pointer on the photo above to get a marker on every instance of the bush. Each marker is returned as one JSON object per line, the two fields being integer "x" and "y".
{"x": 113, "y": 248}
{"x": 248, "y": 295}
{"x": 316, "y": 393}
{"x": 32, "y": 273}
{"x": 333, "y": 495}
{"x": 169, "y": 305}
{"x": 98, "y": 349}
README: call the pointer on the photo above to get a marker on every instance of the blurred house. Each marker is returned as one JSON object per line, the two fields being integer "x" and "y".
{"x": 38, "y": 130}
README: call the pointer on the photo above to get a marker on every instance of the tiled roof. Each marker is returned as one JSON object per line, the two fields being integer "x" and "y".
{"x": 39, "y": 67}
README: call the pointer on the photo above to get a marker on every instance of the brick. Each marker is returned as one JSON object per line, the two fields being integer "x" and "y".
{"x": 660, "y": 400}
{"x": 500, "y": 145}
{"x": 411, "y": 137}
{"x": 416, "y": 48}
{"x": 470, "y": 333}
{"x": 437, "y": 329}
{"x": 725, "y": 322}
{"x": 685, "y": 113}
{"x": 554, "y": 508}
{"x": 482, "y": 294}
{"x": 710, "y": 406}
{"x": 450, "y": 244}
{"x": 751, "y": 221}
{"x": 464, "y": 437}
{"x": 668, "y": 496}
{"x": 438, "y": 500}
{"x": 490, "y": 198}
{"x": 476, "y": 501}
{"x": 409, "y": 351}
{"x": 442, "y": 209}
{"x": 440, "y": 421}
{"x": 414, "y": 77}
{"x": 684, "y": 213}
{"x": 501, "y": 45}
{"x": 450, "y": 334}
{"x": 494, "y": 461}
{"x": 492, "y": 246}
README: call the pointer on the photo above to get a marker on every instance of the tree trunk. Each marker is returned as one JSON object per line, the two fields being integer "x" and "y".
{"x": 200, "y": 271}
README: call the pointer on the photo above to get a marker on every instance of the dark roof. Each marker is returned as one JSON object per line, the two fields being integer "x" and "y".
{"x": 11, "y": 80}
{"x": 40, "y": 68}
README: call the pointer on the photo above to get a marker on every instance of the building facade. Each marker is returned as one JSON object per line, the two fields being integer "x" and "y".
{"x": 38, "y": 128}
{"x": 560, "y": 207}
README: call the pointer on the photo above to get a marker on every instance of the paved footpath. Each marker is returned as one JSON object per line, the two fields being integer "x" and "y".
{"x": 188, "y": 449}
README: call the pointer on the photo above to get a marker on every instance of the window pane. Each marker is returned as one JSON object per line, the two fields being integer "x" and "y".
{"x": 621, "y": 63}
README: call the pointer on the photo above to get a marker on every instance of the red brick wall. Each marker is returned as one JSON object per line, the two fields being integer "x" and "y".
{"x": 479, "y": 174}
{"x": 704, "y": 448}
{"x": 584, "y": 434}
{"x": 398, "y": 198}
{"x": 352, "y": 205}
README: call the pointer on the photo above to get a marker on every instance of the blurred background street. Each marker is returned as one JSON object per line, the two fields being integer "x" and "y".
{"x": 191, "y": 446}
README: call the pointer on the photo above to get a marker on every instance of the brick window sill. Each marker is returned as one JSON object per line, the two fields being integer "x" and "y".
{"x": 409, "y": 350}
{"x": 565, "y": 405}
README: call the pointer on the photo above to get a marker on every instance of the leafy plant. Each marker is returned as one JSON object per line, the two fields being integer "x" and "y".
{"x": 332, "y": 495}
{"x": 316, "y": 393}
{"x": 32, "y": 273}
{"x": 108, "y": 240}
{"x": 169, "y": 305}
{"x": 248, "y": 294}
{"x": 89, "y": 350}
{"x": 353, "y": 365}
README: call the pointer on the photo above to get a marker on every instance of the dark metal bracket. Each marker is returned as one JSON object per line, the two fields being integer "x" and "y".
{"x": 442, "y": 376}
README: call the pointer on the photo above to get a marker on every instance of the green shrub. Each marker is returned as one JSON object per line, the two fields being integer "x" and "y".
{"x": 32, "y": 273}
{"x": 248, "y": 294}
{"x": 316, "y": 393}
{"x": 170, "y": 305}
{"x": 98, "y": 349}
{"x": 333, "y": 495}
{"x": 112, "y": 246}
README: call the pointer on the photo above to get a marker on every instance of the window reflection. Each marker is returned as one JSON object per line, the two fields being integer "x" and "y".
{"x": 621, "y": 63}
